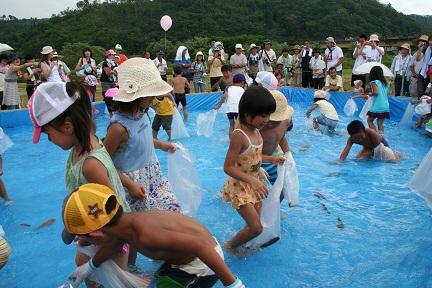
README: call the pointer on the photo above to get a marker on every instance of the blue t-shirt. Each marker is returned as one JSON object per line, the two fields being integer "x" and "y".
{"x": 185, "y": 71}
{"x": 380, "y": 103}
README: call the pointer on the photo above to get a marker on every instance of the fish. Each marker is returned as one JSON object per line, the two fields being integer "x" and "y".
{"x": 45, "y": 224}
{"x": 337, "y": 174}
{"x": 304, "y": 147}
{"x": 25, "y": 225}
{"x": 324, "y": 207}
{"x": 320, "y": 196}
{"x": 340, "y": 224}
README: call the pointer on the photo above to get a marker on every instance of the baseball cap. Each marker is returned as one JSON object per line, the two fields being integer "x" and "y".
{"x": 118, "y": 47}
{"x": 238, "y": 46}
{"x": 49, "y": 101}
{"x": 267, "y": 80}
{"x": 85, "y": 210}
{"x": 239, "y": 78}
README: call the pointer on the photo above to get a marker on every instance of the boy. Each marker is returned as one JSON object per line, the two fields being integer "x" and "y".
{"x": 193, "y": 258}
{"x": 179, "y": 84}
{"x": 373, "y": 144}
{"x": 333, "y": 81}
{"x": 232, "y": 97}
{"x": 226, "y": 80}
{"x": 164, "y": 114}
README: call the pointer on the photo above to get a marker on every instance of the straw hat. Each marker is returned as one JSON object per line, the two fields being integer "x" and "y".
{"x": 373, "y": 37}
{"x": 283, "y": 110}
{"x": 47, "y": 50}
{"x": 406, "y": 46}
{"x": 137, "y": 78}
{"x": 297, "y": 47}
{"x": 320, "y": 94}
{"x": 424, "y": 38}
{"x": 253, "y": 45}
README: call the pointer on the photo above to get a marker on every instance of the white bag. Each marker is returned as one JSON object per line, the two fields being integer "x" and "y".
{"x": 408, "y": 115}
{"x": 249, "y": 80}
{"x": 421, "y": 182}
{"x": 5, "y": 142}
{"x": 423, "y": 108}
{"x": 184, "y": 179}
{"x": 205, "y": 123}
{"x": 366, "y": 107}
{"x": 350, "y": 107}
{"x": 291, "y": 184}
{"x": 178, "y": 129}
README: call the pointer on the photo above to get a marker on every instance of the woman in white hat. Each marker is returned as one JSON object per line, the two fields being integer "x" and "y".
{"x": 400, "y": 68}
{"x": 50, "y": 68}
{"x": 199, "y": 69}
{"x": 372, "y": 51}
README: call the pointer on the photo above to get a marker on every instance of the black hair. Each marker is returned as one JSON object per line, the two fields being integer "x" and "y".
{"x": 355, "y": 126}
{"x": 363, "y": 36}
{"x": 85, "y": 50}
{"x": 226, "y": 67}
{"x": 255, "y": 101}
{"x": 80, "y": 114}
{"x": 331, "y": 69}
{"x": 28, "y": 57}
{"x": 316, "y": 50}
{"x": 129, "y": 107}
{"x": 177, "y": 70}
{"x": 110, "y": 205}
{"x": 376, "y": 73}
{"x": 306, "y": 41}
{"x": 285, "y": 49}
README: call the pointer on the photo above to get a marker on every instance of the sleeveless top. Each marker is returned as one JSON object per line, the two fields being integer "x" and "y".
{"x": 139, "y": 149}
{"x": 380, "y": 103}
{"x": 54, "y": 75}
{"x": 74, "y": 176}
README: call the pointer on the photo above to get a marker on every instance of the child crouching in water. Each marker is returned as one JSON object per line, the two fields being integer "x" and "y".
{"x": 244, "y": 187}
{"x": 329, "y": 117}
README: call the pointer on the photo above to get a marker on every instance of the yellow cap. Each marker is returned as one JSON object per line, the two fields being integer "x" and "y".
{"x": 84, "y": 209}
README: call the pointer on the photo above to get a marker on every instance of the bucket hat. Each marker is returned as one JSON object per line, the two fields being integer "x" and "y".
{"x": 47, "y": 50}
{"x": 424, "y": 37}
{"x": 320, "y": 94}
{"x": 373, "y": 37}
{"x": 283, "y": 110}
{"x": 331, "y": 40}
{"x": 406, "y": 46}
{"x": 267, "y": 80}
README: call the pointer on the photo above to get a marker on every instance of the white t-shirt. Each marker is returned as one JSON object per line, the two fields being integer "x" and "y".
{"x": 333, "y": 56}
{"x": 361, "y": 59}
{"x": 238, "y": 59}
{"x": 327, "y": 109}
{"x": 373, "y": 55}
{"x": 162, "y": 68}
{"x": 271, "y": 57}
{"x": 233, "y": 99}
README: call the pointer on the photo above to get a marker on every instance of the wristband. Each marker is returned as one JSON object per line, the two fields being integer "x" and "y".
{"x": 91, "y": 264}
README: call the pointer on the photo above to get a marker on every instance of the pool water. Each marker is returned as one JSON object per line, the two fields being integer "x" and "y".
{"x": 383, "y": 237}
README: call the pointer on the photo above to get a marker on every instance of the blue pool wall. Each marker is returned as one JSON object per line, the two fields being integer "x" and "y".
{"x": 205, "y": 101}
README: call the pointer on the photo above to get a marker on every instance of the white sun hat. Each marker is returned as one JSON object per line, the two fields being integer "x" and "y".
{"x": 47, "y": 50}
{"x": 137, "y": 78}
{"x": 267, "y": 80}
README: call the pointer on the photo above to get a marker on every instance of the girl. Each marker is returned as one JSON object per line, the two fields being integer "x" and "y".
{"x": 63, "y": 112}
{"x": 199, "y": 68}
{"x": 329, "y": 117}
{"x": 244, "y": 188}
{"x": 380, "y": 105}
{"x": 130, "y": 143}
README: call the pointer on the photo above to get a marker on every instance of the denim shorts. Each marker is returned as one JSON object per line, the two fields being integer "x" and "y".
{"x": 331, "y": 124}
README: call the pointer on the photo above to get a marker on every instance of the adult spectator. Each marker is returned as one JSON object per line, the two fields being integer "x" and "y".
{"x": 416, "y": 65}
{"x": 108, "y": 77}
{"x": 50, "y": 68}
{"x": 199, "y": 69}
{"x": 119, "y": 51}
{"x": 285, "y": 59}
{"x": 86, "y": 64}
{"x": 147, "y": 55}
{"x": 360, "y": 58}
{"x": 306, "y": 54}
{"x": 373, "y": 52}
{"x": 427, "y": 63}
{"x": 333, "y": 81}
{"x": 11, "y": 97}
{"x": 212, "y": 45}
{"x": 333, "y": 55}
{"x": 183, "y": 60}
{"x": 296, "y": 67}
{"x": 268, "y": 57}
{"x": 400, "y": 68}
{"x": 3, "y": 68}
{"x": 317, "y": 66}
{"x": 63, "y": 69}
{"x": 161, "y": 64}
{"x": 253, "y": 61}
{"x": 215, "y": 63}
{"x": 31, "y": 75}
{"x": 238, "y": 61}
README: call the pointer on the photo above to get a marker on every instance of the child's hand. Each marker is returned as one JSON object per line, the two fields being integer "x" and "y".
{"x": 308, "y": 113}
{"x": 216, "y": 107}
{"x": 260, "y": 188}
{"x": 168, "y": 147}
{"x": 278, "y": 160}
{"x": 137, "y": 191}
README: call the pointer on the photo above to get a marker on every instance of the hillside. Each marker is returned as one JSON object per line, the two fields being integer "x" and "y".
{"x": 135, "y": 23}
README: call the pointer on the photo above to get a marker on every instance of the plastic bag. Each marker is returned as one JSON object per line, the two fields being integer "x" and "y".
{"x": 205, "y": 123}
{"x": 5, "y": 142}
{"x": 109, "y": 274}
{"x": 184, "y": 179}
{"x": 151, "y": 113}
{"x": 178, "y": 129}
{"x": 366, "y": 108}
{"x": 350, "y": 107}
{"x": 291, "y": 184}
{"x": 408, "y": 115}
{"x": 421, "y": 182}
{"x": 423, "y": 108}
{"x": 249, "y": 80}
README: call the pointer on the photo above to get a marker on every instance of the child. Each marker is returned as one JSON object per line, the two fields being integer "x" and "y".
{"x": 130, "y": 143}
{"x": 232, "y": 98}
{"x": 180, "y": 83}
{"x": 226, "y": 80}
{"x": 192, "y": 257}
{"x": 374, "y": 145}
{"x": 164, "y": 107}
{"x": 380, "y": 105}
{"x": 280, "y": 77}
{"x": 244, "y": 188}
{"x": 329, "y": 117}
{"x": 423, "y": 109}
{"x": 63, "y": 112}
{"x": 358, "y": 87}
{"x": 333, "y": 82}
{"x": 5, "y": 143}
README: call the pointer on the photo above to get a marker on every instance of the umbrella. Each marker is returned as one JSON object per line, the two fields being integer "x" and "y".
{"x": 366, "y": 67}
{"x": 5, "y": 47}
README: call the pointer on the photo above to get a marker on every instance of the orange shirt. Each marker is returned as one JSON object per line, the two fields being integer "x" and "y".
{"x": 123, "y": 58}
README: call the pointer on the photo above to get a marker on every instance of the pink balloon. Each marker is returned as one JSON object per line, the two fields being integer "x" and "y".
{"x": 166, "y": 22}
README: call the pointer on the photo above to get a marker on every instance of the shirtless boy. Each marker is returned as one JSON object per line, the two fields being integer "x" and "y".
{"x": 179, "y": 83}
{"x": 374, "y": 145}
{"x": 193, "y": 258}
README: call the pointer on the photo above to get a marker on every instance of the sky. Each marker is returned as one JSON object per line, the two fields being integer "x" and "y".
{"x": 45, "y": 8}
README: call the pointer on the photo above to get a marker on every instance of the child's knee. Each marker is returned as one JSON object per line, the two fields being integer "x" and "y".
{"x": 256, "y": 229}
